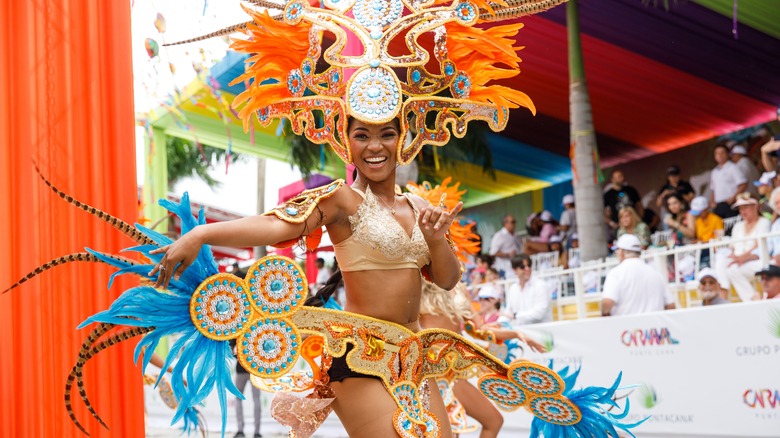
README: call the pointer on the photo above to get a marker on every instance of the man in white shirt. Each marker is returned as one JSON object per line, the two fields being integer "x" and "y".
{"x": 529, "y": 301}
{"x": 633, "y": 287}
{"x": 739, "y": 157}
{"x": 726, "y": 180}
{"x": 504, "y": 246}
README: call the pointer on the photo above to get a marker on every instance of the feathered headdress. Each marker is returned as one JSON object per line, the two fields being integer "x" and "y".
{"x": 438, "y": 89}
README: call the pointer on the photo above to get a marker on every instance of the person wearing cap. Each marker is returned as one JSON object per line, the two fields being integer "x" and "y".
{"x": 707, "y": 223}
{"x": 743, "y": 262}
{"x": 573, "y": 255}
{"x": 539, "y": 241}
{"x": 709, "y": 288}
{"x": 504, "y": 246}
{"x": 528, "y": 301}
{"x": 568, "y": 223}
{"x": 674, "y": 184}
{"x": 633, "y": 287}
{"x": 770, "y": 282}
{"x": 726, "y": 181}
{"x": 556, "y": 245}
{"x": 739, "y": 157}
{"x": 764, "y": 185}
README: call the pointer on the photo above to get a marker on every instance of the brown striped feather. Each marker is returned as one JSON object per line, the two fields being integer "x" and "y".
{"x": 74, "y": 257}
{"x": 126, "y": 229}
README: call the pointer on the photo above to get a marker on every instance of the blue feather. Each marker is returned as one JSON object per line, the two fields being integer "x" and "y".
{"x": 593, "y": 403}
{"x": 204, "y": 362}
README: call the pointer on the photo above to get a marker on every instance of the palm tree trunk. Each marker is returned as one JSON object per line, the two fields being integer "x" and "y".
{"x": 587, "y": 193}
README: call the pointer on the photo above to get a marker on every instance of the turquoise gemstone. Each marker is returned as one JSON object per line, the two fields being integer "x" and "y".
{"x": 222, "y": 307}
{"x": 292, "y": 211}
{"x": 374, "y": 63}
{"x": 449, "y": 70}
{"x": 276, "y": 285}
{"x": 269, "y": 345}
{"x": 416, "y": 76}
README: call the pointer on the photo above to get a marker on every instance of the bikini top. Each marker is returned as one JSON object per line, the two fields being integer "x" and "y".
{"x": 379, "y": 242}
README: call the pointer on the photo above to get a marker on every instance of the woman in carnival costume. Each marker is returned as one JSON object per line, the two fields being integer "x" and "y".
{"x": 372, "y": 357}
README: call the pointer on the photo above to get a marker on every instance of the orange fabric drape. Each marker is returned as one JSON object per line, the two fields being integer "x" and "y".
{"x": 66, "y": 102}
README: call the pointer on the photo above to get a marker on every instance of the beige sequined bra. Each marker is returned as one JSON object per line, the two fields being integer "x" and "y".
{"x": 379, "y": 242}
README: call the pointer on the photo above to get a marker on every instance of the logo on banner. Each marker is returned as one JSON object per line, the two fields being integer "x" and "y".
{"x": 649, "y": 398}
{"x": 657, "y": 338}
{"x": 774, "y": 322}
{"x": 764, "y": 349}
{"x": 764, "y": 402}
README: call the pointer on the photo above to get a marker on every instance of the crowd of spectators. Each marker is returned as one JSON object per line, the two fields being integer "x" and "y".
{"x": 739, "y": 201}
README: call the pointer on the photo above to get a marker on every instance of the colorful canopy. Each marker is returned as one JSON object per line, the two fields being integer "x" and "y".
{"x": 658, "y": 80}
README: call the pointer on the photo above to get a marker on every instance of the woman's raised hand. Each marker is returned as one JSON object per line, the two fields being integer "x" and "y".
{"x": 177, "y": 257}
{"x": 434, "y": 222}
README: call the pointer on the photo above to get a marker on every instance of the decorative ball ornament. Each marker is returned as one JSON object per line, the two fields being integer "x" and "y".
{"x": 277, "y": 286}
{"x": 269, "y": 348}
{"x": 219, "y": 308}
{"x": 556, "y": 410}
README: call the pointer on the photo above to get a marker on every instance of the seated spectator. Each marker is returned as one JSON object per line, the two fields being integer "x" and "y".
{"x": 618, "y": 196}
{"x": 770, "y": 282}
{"x": 773, "y": 243}
{"x": 765, "y": 184}
{"x": 529, "y": 300}
{"x": 633, "y": 287}
{"x": 679, "y": 220}
{"x": 504, "y": 245}
{"x": 650, "y": 218}
{"x": 710, "y": 289}
{"x": 707, "y": 223}
{"x": 743, "y": 262}
{"x": 568, "y": 222}
{"x": 556, "y": 245}
{"x": 574, "y": 243}
{"x": 674, "y": 184}
{"x": 490, "y": 302}
{"x": 548, "y": 227}
{"x": 630, "y": 223}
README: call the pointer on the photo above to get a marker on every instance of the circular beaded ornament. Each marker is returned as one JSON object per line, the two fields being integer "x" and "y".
{"x": 377, "y": 13}
{"x": 536, "y": 379}
{"x": 269, "y": 348}
{"x": 277, "y": 286}
{"x": 374, "y": 94}
{"x": 219, "y": 308}
{"x": 556, "y": 410}
{"x": 503, "y": 392}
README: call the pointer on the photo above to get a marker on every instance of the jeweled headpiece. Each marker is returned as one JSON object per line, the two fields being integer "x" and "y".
{"x": 286, "y": 83}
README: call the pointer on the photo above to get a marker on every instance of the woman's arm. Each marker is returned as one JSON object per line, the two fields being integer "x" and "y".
{"x": 249, "y": 231}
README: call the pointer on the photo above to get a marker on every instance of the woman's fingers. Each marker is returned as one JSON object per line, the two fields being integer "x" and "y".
{"x": 160, "y": 250}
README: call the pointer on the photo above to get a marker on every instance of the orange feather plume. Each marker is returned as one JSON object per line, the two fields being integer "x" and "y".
{"x": 461, "y": 233}
{"x": 479, "y": 52}
{"x": 269, "y": 60}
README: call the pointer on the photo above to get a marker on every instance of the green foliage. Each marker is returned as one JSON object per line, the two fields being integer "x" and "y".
{"x": 186, "y": 159}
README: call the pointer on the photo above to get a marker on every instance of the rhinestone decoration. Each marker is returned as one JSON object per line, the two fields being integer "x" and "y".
{"x": 293, "y": 11}
{"x": 295, "y": 83}
{"x": 408, "y": 399}
{"x": 536, "y": 379}
{"x": 461, "y": 86}
{"x": 377, "y": 13}
{"x": 269, "y": 348}
{"x": 219, "y": 308}
{"x": 445, "y": 390}
{"x": 466, "y": 11}
{"x": 166, "y": 394}
{"x": 556, "y": 410}
{"x": 503, "y": 392}
{"x": 277, "y": 286}
{"x": 374, "y": 95}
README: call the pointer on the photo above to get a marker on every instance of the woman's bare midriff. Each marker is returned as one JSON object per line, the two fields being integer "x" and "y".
{"x": 390, "y": 295}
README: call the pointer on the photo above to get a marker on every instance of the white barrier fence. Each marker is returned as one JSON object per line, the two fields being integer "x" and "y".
{"x": 577, "y": 291}
{"x": 704, "y": 372}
